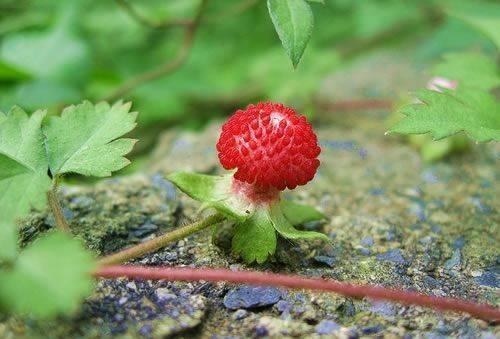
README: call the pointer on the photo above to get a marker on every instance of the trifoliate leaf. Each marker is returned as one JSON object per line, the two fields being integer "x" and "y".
{"x": 293, "y": 21}
{"x": 255, "y": 238}
{"x": 443, "y": 114}
{"x": 298, "y": 214}
{"x": 21, "y": 141}
{"x": 286, "y": 229}
{"x": 213, "y": 191}
{"x": 85, "y": 139}
{"x": 469, "y": 70}
{"x": 50, "y": 277}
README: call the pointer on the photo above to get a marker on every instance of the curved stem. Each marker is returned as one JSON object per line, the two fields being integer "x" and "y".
{"x": 159, "y": 242}
{"x": 170, "y": 66}
{"x": 481, "y": 311}
{"x": 56, "y": 209}
{"x": 148, "y": 22}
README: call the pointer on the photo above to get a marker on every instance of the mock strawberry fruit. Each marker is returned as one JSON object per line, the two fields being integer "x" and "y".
{"x": 272, "y": 148}
{"x": 270, "y": 145}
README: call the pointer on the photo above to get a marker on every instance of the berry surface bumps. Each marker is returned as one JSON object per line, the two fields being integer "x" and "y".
{"x": 270, "y": 145}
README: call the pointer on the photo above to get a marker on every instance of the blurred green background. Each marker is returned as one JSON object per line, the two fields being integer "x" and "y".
{"x": 54, "y": 53}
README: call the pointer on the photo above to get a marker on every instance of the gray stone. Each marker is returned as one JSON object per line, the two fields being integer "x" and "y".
{"x": 394, "y": 256}
{"x": 250, "y": 297}
{"x": 327, "y": 327}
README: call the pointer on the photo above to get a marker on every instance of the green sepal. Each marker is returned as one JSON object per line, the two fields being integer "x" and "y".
{"x": 299, "y": 214}
{"x": 286, "y": 229}
{"x": 255, "y": 238}
{"x": 213, "y": 191}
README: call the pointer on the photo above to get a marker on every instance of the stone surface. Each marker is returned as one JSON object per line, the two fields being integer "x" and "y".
{"x": 250, "y": 297}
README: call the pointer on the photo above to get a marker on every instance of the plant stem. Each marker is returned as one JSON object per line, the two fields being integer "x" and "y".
{"x": 56, "y": 209}
{"x": 482, "y": 311}
{"x": 127, "y": 7}
{"x": 170, "y": 66}
{"x": 161, "y": 241}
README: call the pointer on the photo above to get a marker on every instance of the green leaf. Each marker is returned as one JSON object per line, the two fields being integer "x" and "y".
{"x": 293, "y": 21}
{"x": 50, "y": 277}
{"x": 444, "y": 114}
{"x": 8, "y": 242}
{"x": 470, "y": 70}
{"x": 21, "y": 140}
{"x": 10, "y": 167}
{"x": 85, "y": 139}
{"x": 298, "y": 214}
{"x": 482, "y": 16}
{"x": 44, "y": 93}
{"x": 285, "y": 228}
{"x": 11, "y": 73}
{"x": 213, "y": 191}
{"x": 255, "y": 239}
{"x": 55, "y": 55}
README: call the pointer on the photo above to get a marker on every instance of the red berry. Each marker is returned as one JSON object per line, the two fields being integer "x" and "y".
{"x": 270, "y": 145}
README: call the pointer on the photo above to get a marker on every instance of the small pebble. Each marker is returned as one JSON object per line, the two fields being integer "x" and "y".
{"x": 240, "y": 314}
{"x": 367, "y": 242}
{"x": 489, "y": 279}
{"x": 249, "y": 297}
{"x": 327, "y": 327}
{"x": 164, "y": 294}
{"x": 323, "y": 259}
{"x": 394, "y": 256}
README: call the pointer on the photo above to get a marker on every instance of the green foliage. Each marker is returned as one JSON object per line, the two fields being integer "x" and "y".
{"x": 215, "y": 78}
{"x": 255, "y": 224}
{"x": 470, "y": 108}
{"x": 482, "y": 16}
{"x": 443, "y": 114}
{"x": 49, "y": 277}
{"x": 213, "y": 191}
{"x": 255, "y": 238}
{"x": 21, "y": 143}
{"x": 298, "y": 214}
{"x": 434, "y": 150}
{"x": 286, "y": 229}
{"x": 85, "y": 139}
{"x": 59, "y": 56}
{"x": 11, "y": 73}
{"x": 470, "y": 70}
{"x": 293, "y": 21}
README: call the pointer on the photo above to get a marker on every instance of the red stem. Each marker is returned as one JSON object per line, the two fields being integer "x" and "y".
{"x": 481, "y": 311}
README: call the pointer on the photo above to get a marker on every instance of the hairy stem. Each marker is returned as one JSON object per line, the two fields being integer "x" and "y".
{"x": 170, "y": 66}
{"x": 481, "y": 311}
{"x": 161, "y": 241}
{"x": 56, "y": 208}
